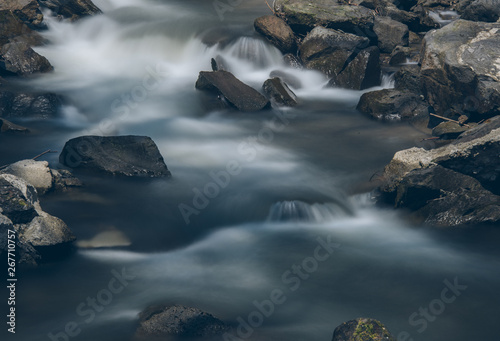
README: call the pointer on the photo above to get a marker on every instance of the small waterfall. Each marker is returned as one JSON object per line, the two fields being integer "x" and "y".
{"x": 299, "y": 211}
{"x": 387, "y": 81}
{"x": 256, "y": 51}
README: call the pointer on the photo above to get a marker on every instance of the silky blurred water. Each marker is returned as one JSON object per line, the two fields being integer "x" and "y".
{"x": 132, "y": 70}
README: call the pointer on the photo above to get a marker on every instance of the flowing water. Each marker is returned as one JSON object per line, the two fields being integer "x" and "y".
{"x": 295, "y": 185}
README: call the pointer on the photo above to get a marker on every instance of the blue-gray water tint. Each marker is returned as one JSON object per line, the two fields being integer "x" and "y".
{"x": 296, "y": 187}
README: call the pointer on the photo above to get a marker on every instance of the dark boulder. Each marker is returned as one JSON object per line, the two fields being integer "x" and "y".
{"x": 71, "y": 9}
{"x": 362, "y": 329}
{"x": 460, "y": 71}
{"x": 13, "y": 29}
{"x": 278, "y": 92}
{"x": 393, "y": 105}
{"x": 240, "y": 95}
{"x": 178, "y": 321}
{"x": 363, "y": 71}
{"x": 480, "y": 130}
{"x": 330, "y": 50}
{"x": 482, "y": 10}
{"x": 407, "y": 78}
{"x": 277, "y": 32}
{"x": 131, "y": 156}
{"x": 442, "y": 197}
{"x": 390, "y": 33}
{"x": 304, "y": 15}
{"x": 399, "y": 55}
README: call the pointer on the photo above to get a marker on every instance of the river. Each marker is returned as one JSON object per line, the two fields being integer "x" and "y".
{"x": 300, "y": 180}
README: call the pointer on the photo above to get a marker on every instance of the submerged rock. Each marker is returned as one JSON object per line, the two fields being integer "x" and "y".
{"x": 240, "y": 95}
{"x": 14, "y": 104}
{"x": 460, "y": 70}
{"x": 277, "y": 32}
{"x": 131, "y": 156}
{"x": 9, "y": 127}
{"x": 362, "y": 329}
{"x": 180, "y": 321}
{"x": 279, "y": 92}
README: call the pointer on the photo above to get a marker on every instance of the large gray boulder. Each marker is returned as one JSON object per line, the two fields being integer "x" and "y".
{"x": 362, "y": 329}
{"x": 178, "y": 321}
{"x": 303, "y": 15}
{"x": 460, "y": 71}
{"x": 277, "y": 32}
{"x": 329, "y": 50}
{"x": 71, "y": 9}
{"x": 390, "y": 33}
{"x": 130, "y": 156}
{"x": 237, "y": 93}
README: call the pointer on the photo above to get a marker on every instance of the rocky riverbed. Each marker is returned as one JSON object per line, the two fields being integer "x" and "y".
{"x": 431, "y": 67}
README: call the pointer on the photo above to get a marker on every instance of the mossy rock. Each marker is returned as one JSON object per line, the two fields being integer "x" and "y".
{"x": 362, "y": 329}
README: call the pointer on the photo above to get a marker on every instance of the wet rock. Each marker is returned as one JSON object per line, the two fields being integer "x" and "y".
{"x": 390, "y": 33}
{"x": 36, "y": 231}
{"x": 330, "y": 50}
{"x": 480, "y": 130}
{"x": 400, "y": 55}
{"x": 449, "y": 130}
{"x": 131, "y": 156}
{"x": 9, "y": 127}
{"x": 363, "y": 71}
{"x": 71, "y": 9}
{"x": 303, "y": 15}
{"x": 442, "y": 197}
{"x": 362, "y": 329}
{"x": 26, "y": 253}
{"x": 180, "y": 321}
{"x": 477, "y": 158}
{"x": 292, "y": 61}
{"x": 219, "y": 64}
{"x": 460, "y": 71}
{"x": 39, "y": 175}
{"x": 240, "y": 95}
{"x": 13, "y": 29}
{"x": 20, "y": 59}
{"x": 286, "y": 77}
{"x": 278, "y": 92}
{"x": 393, "y": 105}
{"x": 407, "y": 78}
{"x": 16, "y": 204}
{"x": 482, "y": 10}
{"x": 26, "y": 10}
{"x": 277, "y": 32}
